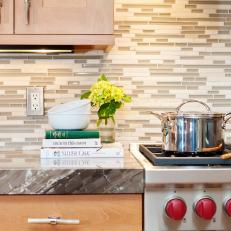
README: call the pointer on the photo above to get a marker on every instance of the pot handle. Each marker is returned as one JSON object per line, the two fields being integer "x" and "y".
{"x": 213, "y": 149}
{"x": 226, "y": 119}
{"x": 157, "y": 115}
{"x": 193, "y": 101}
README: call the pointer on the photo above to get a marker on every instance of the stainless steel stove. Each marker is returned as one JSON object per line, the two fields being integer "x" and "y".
{"x": 185, "y": 197}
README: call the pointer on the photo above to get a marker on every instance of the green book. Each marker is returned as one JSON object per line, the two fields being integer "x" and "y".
{"x": 71, "y": 134}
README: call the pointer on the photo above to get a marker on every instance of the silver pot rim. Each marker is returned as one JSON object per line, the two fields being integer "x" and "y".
{"x": 195, "y": 115}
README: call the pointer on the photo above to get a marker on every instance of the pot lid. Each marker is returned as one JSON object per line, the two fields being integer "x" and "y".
{"x": 195, "y": 114}
{"x": 69, "y": 106}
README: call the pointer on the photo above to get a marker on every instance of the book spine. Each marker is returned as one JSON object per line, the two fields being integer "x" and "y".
{"x": 52, "y": 153}
{"x": 62, "y": 134}
{"x": 72, "y": 143}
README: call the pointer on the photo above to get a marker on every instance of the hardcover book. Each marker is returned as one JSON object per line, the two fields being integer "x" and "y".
{"x": 49, "y": 153}
{"x": 72, "y": 143}
{"x": 82, "y": 163}
{"x": 71, "y": 134}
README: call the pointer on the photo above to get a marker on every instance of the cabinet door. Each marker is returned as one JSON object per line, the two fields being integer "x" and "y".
{"x": 6, "y": 17}
{"x": 64, "y": 16}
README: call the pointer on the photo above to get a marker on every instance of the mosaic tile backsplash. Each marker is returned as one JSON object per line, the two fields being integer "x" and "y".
{"x": 166, "y": 51}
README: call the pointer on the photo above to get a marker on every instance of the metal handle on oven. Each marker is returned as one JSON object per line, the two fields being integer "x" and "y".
{"x": 53, "y": 221}
{"x": 27, "y": 10}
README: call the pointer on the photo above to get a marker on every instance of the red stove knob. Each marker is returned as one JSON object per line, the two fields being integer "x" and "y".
{"x": 227, "y": 207}
{"x": 205, "y": 208}
{"x": 176, "y": 208}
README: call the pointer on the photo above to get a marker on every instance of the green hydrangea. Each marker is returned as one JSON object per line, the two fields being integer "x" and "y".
{"x": 107, "y": 97}
{"x": 103, "y": 92}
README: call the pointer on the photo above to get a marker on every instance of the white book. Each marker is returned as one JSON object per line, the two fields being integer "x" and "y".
{"x": 82, "y": 163}
{"x": 72, "y": 143}
{"x": 49, "y": 153}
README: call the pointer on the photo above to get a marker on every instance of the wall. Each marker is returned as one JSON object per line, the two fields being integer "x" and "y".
{"x": 165, "y": 51}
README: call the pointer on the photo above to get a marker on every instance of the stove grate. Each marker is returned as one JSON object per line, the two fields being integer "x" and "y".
{"x": 157, "y": 157}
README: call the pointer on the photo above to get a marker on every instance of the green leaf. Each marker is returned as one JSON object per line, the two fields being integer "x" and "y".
{"x": 107, "y": 110}
{"x": 102, "y": 77}
{"x": 86, "y": 95}
{"x": 118, "y": 105}
{"x": 103, "y": 111}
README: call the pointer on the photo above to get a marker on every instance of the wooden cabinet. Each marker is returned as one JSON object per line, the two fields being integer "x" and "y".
{"x": 6, "y": 17}
{"x": 64, "y": 17}
{"x": 70, "y": 22}
{"x": 95, "y": 212}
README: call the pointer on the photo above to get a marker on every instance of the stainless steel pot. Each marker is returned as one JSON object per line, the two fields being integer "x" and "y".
{"x": 193, "y": 132}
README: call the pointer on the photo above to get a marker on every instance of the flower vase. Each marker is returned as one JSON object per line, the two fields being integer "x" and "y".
{"x": 107, "y": 131}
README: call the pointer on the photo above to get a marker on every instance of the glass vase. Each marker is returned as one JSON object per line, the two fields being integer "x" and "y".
{"x": 107, "y": 131}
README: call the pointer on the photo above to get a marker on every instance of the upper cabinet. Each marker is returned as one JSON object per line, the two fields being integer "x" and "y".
{"x": 73, "y": 22}
{"x": 63, "y": 17}
{"x": 6, "y": 17}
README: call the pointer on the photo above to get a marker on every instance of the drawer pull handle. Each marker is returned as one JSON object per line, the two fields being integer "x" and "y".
{"x": 53, "y": 221}
{"x": 27, "y": 9}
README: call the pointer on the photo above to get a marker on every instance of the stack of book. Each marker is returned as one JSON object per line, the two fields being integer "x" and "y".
{"x": 77, "y": 144}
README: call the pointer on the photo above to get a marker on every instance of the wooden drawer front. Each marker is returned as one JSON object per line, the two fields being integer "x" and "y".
{"x": 65, "y": 17}
{"x": 96, "y": 212}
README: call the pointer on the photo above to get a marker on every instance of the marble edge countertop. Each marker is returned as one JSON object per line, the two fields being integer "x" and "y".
{"x": 23, "y": 172}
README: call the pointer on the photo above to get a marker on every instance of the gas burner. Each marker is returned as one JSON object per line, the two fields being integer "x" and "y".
{"x": 190, "y": 193}
{"x": 157, "y": 157}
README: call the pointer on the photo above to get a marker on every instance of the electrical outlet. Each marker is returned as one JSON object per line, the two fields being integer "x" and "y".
{"x": 34, "y": 101}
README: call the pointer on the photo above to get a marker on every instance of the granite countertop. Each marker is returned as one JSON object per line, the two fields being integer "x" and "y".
{"x": 23, "y": 172}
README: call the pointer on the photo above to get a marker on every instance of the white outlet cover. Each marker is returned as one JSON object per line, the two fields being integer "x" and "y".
{"x": 35, "y": 101}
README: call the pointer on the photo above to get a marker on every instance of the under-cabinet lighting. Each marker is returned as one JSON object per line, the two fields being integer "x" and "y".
{"x": 41, "y": 51}
{"x": 37, "y": 49}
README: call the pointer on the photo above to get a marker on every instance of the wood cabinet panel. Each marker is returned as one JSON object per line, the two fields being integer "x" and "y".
{"x": 64, "y": 17}
{"x": 57, "y": 39}
{"x": 6, "y": 16}
{"x": 66, "y": 3}
{"x": 96, "y": 212}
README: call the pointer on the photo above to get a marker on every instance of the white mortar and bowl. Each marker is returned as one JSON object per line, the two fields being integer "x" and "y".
{"x": 74, "y": 115}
